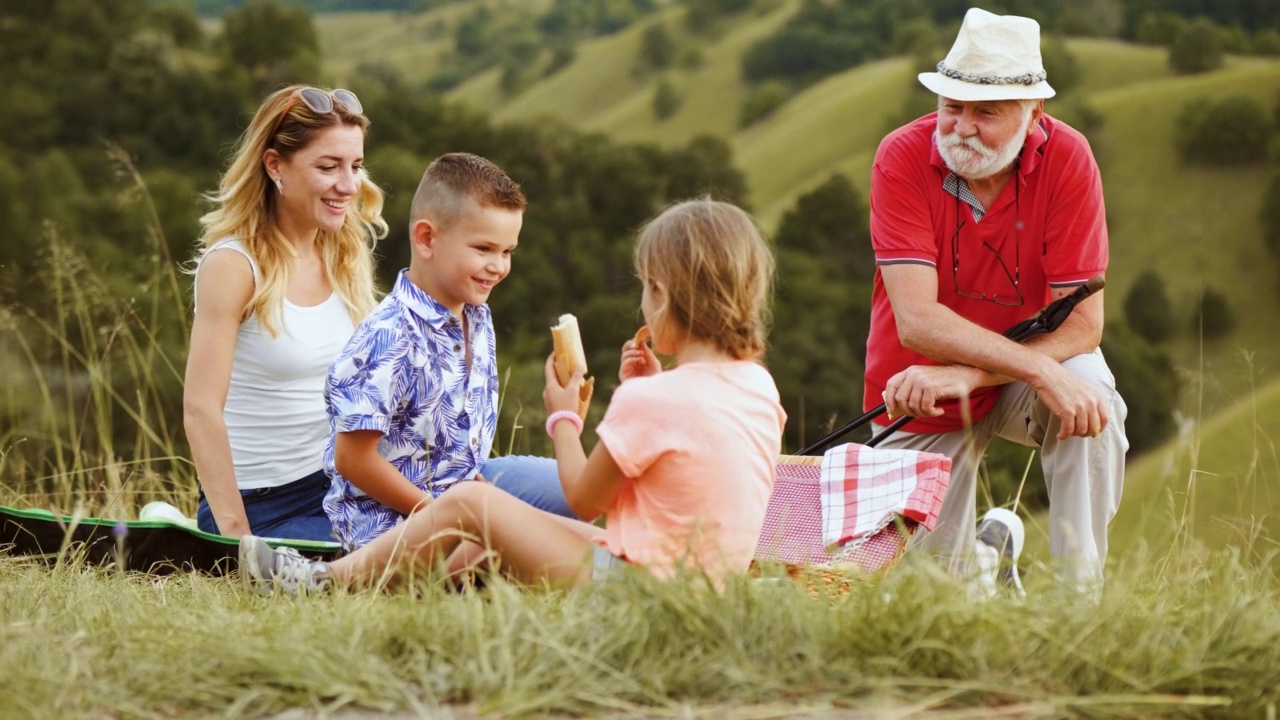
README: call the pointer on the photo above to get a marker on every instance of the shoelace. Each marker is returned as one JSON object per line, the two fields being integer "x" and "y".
{"x": 292, "y": 570}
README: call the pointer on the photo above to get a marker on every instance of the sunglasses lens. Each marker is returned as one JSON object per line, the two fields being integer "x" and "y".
{"x": 349, "y": 101}
{"x": 318, "y": 100}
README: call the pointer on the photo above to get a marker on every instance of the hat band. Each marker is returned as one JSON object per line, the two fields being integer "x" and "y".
{"x": 1025, "y": 79}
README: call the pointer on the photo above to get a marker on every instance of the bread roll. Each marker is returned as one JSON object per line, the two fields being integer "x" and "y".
{"x": 566, "y": 342}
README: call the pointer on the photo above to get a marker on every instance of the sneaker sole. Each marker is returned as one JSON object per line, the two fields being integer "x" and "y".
{"x": 249, "y": 569}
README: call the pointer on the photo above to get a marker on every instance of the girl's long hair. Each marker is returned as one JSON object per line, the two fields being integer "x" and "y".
{"x": 718, "y": 273}
{"x": 246, "y": 210}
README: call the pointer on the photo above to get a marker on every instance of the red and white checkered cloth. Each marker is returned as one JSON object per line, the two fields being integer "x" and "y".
{"x": 863, "y": 488}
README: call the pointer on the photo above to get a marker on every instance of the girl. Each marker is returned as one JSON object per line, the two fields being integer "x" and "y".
{"x": 285, "y": 274}
{"x": 685, "y": 462}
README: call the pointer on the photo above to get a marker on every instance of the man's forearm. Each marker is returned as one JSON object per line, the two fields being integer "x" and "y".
{"x": 950, "y": 339}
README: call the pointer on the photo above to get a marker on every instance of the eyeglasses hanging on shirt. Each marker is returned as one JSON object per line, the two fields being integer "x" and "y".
{"x": 1001, "y": 298}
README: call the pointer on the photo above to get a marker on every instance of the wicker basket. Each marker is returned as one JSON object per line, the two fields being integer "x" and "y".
{"x": 792, "y": 533}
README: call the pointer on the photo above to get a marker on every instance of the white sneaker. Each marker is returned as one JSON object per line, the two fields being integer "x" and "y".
{"x": 1001, "y": 530}
{"x": 268, "y": 569}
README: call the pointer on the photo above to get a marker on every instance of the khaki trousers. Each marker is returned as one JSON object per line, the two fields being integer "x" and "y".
{"x": 1084, "y": 476}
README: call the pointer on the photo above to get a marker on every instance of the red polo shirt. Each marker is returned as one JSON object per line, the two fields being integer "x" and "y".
{"x": 1048, "y": 226}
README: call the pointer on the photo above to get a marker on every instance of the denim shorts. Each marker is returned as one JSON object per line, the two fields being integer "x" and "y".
{"x": 293, "y": 511}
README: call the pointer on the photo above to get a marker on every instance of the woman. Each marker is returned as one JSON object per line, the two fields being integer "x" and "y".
{"x": 284, "y": 275}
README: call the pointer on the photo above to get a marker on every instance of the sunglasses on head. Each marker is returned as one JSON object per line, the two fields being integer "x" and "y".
{"x": 321, "y": 103}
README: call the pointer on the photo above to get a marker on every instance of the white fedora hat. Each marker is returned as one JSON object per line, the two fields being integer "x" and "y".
{"x": 995, "y": 57}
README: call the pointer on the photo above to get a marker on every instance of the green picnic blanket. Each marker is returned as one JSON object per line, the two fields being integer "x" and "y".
{"x": 150, "y": 546}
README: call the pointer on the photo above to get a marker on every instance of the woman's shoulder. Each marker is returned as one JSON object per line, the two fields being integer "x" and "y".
{"x": 227, "y": 256}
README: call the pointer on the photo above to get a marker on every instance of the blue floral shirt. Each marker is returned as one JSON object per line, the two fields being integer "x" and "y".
{"x": 403, "y": 373}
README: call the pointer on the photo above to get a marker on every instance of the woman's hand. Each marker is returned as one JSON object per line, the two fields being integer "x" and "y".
{"x": 559, "y": 397}
{"x": 637, "y": 361}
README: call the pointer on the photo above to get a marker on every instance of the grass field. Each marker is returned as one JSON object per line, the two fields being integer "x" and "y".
{"x": 1191, "y": 639}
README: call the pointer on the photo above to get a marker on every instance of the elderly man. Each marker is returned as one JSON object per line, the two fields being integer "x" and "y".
{"x": 981, "y": 214}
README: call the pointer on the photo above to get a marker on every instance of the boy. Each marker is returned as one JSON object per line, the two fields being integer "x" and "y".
{"x": 413, "y": 397}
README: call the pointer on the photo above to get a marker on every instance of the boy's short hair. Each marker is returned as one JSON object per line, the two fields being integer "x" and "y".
{"x": 453, "y": 179}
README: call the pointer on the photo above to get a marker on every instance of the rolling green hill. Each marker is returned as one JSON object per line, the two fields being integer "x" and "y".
{"x": 415, "y": 45}
{"x": 1217, "y": 483}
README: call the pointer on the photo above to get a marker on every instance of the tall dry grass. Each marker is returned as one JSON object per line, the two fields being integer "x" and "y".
{"x": 91, "y": 413}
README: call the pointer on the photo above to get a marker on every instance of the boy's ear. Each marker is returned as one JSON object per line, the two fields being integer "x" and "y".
{"x": 423, "y": 238}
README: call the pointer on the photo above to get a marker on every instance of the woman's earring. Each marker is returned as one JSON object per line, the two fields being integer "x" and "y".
{"x": 280, "y": 186}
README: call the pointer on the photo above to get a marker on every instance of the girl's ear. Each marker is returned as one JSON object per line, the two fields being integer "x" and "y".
{"x": 658, "y": 292}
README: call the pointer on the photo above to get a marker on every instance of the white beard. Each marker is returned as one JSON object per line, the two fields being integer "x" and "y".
{"x": 971, "y": 160}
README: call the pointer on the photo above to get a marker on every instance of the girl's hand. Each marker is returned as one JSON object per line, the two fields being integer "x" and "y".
{"x": 637, "y": 361}
{"x": 558, "y": 397}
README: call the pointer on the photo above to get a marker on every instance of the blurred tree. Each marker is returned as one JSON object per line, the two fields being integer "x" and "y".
{"x": 703, "y": 15}
{"x": 1234, "y": 40}
{"x": 1148, "y": 382}
{"x": 274, "y": 42}
{"x": 831, "y": 222}
{"x": 823, "y": 308}
{"x": 762, "y": 101}
{"x": 1160, "y": 28}
{"x": 1147, "y": 309}
{"x": 1060, "y": 63}
{"x": 178, "y": 21}
{"x": 1266, "y": 42}
{"x": 666, "y": 99}
{"x": 1197, "y": 49}
{"x": 1091, "y": 18}
{"x": 1213, "y": 317}
{"x": 1234, "y": 131}
{"x": 657, "y": 49}
{"x": 561, "y": 55}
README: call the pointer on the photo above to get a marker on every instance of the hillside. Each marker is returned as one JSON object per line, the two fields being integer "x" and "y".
{"x": 414, "y": 45}
{"x": 1217, "y": 483}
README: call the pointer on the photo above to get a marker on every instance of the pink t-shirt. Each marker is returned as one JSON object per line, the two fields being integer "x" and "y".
{"x": 698, "y": 445}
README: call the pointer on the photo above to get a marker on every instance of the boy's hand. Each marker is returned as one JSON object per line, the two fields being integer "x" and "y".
{"x": 637, "y": 361}
{"x": 559, "y": 397}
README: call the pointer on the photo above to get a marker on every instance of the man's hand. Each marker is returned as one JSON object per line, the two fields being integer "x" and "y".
{"x": 917, "y": 390}
{"x": 1076, "y": 403}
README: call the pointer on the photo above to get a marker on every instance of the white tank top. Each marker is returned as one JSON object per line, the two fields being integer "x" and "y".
{"x": 275, "y": 412}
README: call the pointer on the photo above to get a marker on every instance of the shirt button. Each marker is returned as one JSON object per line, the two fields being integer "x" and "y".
{"x": 456, "y": 348}
{"x": 474, "y": 441}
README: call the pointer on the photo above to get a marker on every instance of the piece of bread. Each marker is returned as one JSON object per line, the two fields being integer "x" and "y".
{"x": 642, "y": 335}
{"x": 566, "y": 341}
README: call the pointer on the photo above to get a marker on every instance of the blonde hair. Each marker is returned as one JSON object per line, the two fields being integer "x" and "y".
{"x": 717, "y": 271}
{"x": 246, "y": 210}
{"x": 454, "y": 179}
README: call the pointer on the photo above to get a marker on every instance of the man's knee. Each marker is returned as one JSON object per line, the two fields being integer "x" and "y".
{"x": 1093, "y": 368}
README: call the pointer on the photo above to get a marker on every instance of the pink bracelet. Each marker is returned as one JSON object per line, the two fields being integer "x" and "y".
{"x": 559, "y": 415}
